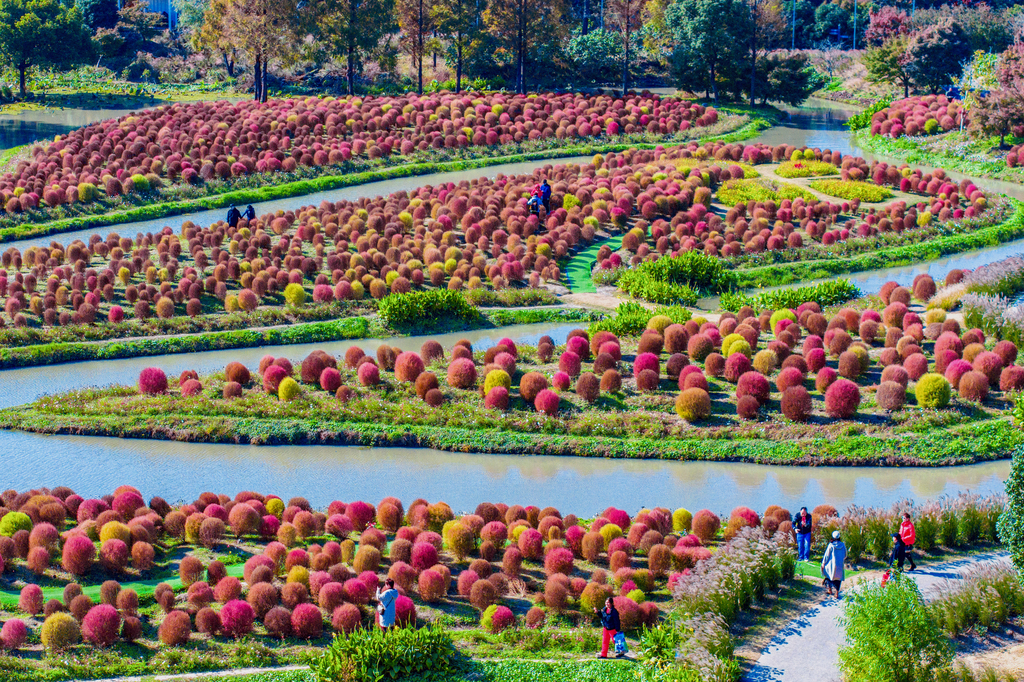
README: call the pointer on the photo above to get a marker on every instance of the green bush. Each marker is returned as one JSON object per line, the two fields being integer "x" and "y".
{"x": 805, "y": 169}
{"x": 853, "y": 189}
{"x": 826, "y": 294}
{"x": 890, "y": 635}
{"x": 932, "y": 390}
{"x": 141, "y": 182}
{"x": 375, "y": 655}
{"x": 425, "y": 307}
{"x": 677, "y": 279}
{"x": 287, "y": 389}
{"x": 1011, "y": 521}
{"x": 12, "y": 522}
{"x": 294, "y": 295}
{"x": 863, "y": 119}
{"x": 631, "y": 319}
{"x": 60, "y": 631}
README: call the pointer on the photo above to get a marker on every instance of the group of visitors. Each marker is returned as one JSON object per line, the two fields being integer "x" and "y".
{"x": 834, "y": 559}
{"x": 541, "y": 196}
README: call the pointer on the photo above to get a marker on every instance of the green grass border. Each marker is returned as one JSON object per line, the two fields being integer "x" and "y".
{"x": 906, "y": 150}
{"x": 307, "y": 332}
{"x": 324, "y": 183}
{"x": 798, "y": 271}
{"x": 977, "y": 441}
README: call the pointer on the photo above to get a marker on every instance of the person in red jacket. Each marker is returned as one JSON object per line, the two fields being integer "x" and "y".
{"x": 909, "y": 537}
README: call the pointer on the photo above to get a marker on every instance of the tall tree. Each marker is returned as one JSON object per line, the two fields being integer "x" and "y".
{"x": 98, "y": 13}
{"x": 888, "y": 64}
{"x": 415, "y": 21}
{"x": 522, "y": 25}
{"x": 41, "y": 33}
{"x": 210, "y": 36}
{"x": 936, "y": 54}
{"x": 762, "y": 30}
{"x": 352, "y": 28}
{"x": 885, "y": 24}
{"x": 626, "y": 17}
{"x": 706, "y": 48}
{"x": 458, "y": 21}
{"x": 1011, "y": 520}
{"x": 999, "y": 112}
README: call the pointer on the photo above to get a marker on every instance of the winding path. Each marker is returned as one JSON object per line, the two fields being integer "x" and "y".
{"x": 807, "y": 648}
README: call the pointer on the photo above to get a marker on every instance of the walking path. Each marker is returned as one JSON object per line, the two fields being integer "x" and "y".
{"x": 807, "y": 649}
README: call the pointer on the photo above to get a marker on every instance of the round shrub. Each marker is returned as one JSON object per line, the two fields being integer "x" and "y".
{"x": 754, "y": 384}
{"x": 1011, "y": 378}
{"x": 13, "y": 634}
{"x": 482, "y": 594}
{"x": 932, "y": 390}
{"x": 699, "y": 347}
{"x": 531, "y": 384}
{"x": 152, "y": 381}
{"x": 789, "y": 377}
{"x": 60, "y": 631}
{"x": 408, "y": 366}
{"x": 176, "y": 629}
{"x": 78, "y": 555}
{"x": 100, "y": 626}
{"x": 989, "y": 364}
{"x": 891, "y": 395}
{"x": 973, "y": 386}
{"x": 693, "y": 404}
{"x": 346, "y": 618}
{"x": 307, "y": 621}
{"x": 238, "y": 373}
{"x": 369, "y": 374}
{"x": 208, "y": 621}
{"x": 272, "y": 378}
{"x": 842, "y": 399}
{"x": 588, "y": 387}
{"x": 237, "y": 618}
{"x": 462, "y": 373}
{"x": 547, "y": 401}
{"x": 796, "y": 403}
{"x": 496, "y": 398}
{"x": 706, "y": 525}
{"x": 30, "y": 600}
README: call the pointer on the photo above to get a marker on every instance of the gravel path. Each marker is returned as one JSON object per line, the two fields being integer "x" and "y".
{"x": 807, "y": 648}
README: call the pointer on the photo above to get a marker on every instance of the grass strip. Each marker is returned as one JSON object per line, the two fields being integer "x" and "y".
{"x": 331, "y": 182}
{"x": 577, "y": 271}
{"x": 310, "y": 332}
{"x": 786, "y": 273}
{"x": 983, "y": 440}
{"x": 907, "y": 150}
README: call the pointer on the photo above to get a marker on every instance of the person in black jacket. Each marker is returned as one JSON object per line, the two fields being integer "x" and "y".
{"x": 899, "y": 552}
{"x": 233, "y": 216}
{"x": 803, "y": 525}
{"x": 610, "y": 624}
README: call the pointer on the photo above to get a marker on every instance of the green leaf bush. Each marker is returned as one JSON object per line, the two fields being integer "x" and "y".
{"x": 418, "y": 307}
{"x": 376, "y": 655}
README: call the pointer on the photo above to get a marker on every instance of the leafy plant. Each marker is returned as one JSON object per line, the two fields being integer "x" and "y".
{"x": 852, "y": 189}
{"x": 415, "y": 307}
{"x": 881, "y": 647}
{"x": 863, "y": 119}
{"x": 375, "y": 655}
{"x": 825, "y": 294}
{"x": 631, "y": 319}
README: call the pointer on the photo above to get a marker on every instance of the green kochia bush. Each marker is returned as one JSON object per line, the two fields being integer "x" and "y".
{"x": 375, "y": 655}
{"x": 418, "y": 307}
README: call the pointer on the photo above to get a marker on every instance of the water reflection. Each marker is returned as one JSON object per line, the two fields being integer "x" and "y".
{"x": 33, "y": 125}
{"x": 23, "y": 385}
{"x": 583, "y": 486}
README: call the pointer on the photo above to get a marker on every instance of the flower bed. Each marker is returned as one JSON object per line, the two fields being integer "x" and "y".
{"x": 780, "y": 386}
{"x": 919, "y": 115}
{"x": 197, "y": 142}
{"x": 83, "y": 576}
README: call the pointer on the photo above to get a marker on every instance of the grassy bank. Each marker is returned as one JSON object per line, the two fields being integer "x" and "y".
{"x": 957, "y": 153}
{"x": 970, "y": 440}
{"x": 283, "y": 186}
{"x": 311, "y": 332}
{"x": 786, "y": 273}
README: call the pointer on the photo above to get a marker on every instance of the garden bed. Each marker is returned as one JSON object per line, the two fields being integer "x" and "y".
{"x": 895, "y": 389}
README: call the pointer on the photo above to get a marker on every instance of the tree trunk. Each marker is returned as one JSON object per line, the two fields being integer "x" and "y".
{"x": 586, "y": 17}
{"x": 229, "y": 65}
{"x": 625, "y": 59}
{"x": 22, "y": 68}
{"x": 419, "y": 49}
{"x": 753, "y": 73}
{"x": 257, "y": 73}
{"x": 351, "y": 68}
{"x": 263, "y": 92}
{"x": 458, "y": 65}
{"x": 714, "y": 85}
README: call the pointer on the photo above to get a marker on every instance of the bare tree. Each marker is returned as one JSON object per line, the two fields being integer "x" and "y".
{"x": 832, "y": 59}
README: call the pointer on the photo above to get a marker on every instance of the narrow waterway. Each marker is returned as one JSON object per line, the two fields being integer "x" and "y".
{"x": 584, "y": 486}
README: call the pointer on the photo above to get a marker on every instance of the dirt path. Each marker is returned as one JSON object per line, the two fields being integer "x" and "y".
{"x": 807, "y": 648}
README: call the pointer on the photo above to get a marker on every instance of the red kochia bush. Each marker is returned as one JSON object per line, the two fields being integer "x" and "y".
{"x": 796, "y": 403}
{"x": 100, "y": 625}
{"x": 842, "y": 399}
{"x": 705, "y": 525}
{"x": 408, "y": 366}
{"x": 31, "y": 599}
{"x": 531, "y": 384}
{"x": 462, "y": 373}
{"x": 307, "y": 621}
{"x": 152, "y": 381}
{"x": 547, "y": 401}
{"x": 176, "y": 628}
{"x": 236, "y": 618}
{"x": 754, "y": 384}
{"x": 1011, "y": 378}
{"x": 272, "y": 378}
{"x": 78, "y": 555}
{"x": 973, "y": 386}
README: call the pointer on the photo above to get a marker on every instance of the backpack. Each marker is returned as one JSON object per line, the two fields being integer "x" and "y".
{"x": 620, "y": 644}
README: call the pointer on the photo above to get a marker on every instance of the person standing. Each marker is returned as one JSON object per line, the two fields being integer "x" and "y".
{"x": 832, "y": 564}
{"x": 909, "y": 536}
{"x": 545, "y": 195}
{"x": 803, "y": 527}
{"x": 609, "y": 624}
{"x": 899, "y": 552}
{"x": 233, "y": 216}
{"x": 386, "y": 604}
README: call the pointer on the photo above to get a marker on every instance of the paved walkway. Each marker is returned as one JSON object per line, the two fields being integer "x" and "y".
{"x": 807, "y": 648}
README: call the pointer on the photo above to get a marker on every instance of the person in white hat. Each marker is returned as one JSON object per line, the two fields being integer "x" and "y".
{"x": 832, "y": 564}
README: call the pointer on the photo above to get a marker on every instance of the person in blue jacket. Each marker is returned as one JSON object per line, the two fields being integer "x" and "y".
{"x": 545, "y": 195}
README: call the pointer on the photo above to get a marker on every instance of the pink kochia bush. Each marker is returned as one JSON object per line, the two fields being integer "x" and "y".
{"x": 152, "y": 381}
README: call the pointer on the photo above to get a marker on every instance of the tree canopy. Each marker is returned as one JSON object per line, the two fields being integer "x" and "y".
{"x": 41, "y": 33}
